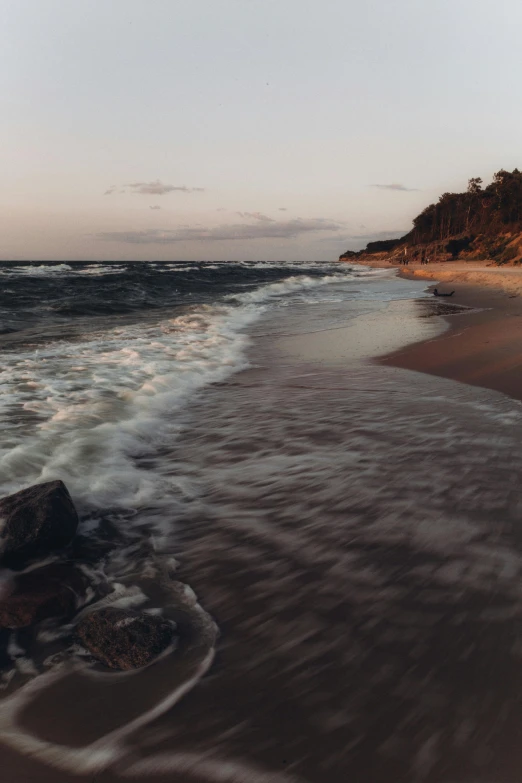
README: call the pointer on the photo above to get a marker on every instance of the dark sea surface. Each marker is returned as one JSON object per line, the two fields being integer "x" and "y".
{"x": 340, "y": 540}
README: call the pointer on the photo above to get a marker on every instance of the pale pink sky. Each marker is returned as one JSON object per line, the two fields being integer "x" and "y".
{"x": 226, "y": 129}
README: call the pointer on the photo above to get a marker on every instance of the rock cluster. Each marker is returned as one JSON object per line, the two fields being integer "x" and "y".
{"x": 42, "y": 520}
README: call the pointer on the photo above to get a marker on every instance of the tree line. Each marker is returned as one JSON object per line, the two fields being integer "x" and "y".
{"x": 490, "y": 210}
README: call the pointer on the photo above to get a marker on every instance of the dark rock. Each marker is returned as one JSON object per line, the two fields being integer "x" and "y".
{"x": 125, "y": 639}
{"x": 52, "y": 591}
{"x": 5, "y": 658}
{"x": 35, "y": 520}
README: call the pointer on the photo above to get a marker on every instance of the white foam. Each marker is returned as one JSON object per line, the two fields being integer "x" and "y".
{"x": 95, "y": 408}
{"x": 212, "y": 768}
{"x": 54, "y": 270}
{"x": 96, "y": 756}
{"x": 42, "y": 270}
{"x": 113, "y": 746}
{"x": 174, "y": 268}
{"x": 58, "y": 270}
{"x": 289, "y": 285}
{"x": 97, "y": 270}
{"x": 121, "y": 597}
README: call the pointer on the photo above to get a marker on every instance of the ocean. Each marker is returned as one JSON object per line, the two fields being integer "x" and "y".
{"x": 101, "y": 363}
{"x": 341, "y": 539}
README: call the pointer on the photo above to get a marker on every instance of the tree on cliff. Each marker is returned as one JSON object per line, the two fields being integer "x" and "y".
{"x": 488, "y": 210}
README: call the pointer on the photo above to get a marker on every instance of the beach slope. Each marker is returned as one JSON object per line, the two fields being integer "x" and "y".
{"x": 482, "y": 346}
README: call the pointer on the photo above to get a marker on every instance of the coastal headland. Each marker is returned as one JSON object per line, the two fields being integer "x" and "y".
{"x": 483, "y": 343}
{"x": 469, "y": 242}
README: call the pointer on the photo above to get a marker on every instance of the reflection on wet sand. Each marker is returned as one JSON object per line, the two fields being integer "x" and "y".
{"x": 359, "y": 546}
{"x": 356, "y": 538}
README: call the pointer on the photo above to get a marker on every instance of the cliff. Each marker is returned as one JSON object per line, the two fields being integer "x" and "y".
{"x": 481, "y": 223}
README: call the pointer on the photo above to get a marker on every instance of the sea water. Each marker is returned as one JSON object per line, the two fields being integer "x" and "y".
{"x": 351, "y": 530}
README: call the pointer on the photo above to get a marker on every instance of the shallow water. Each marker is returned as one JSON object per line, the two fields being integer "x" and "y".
{"x": 352, "y": 529}
{"x": 358, "y": 543}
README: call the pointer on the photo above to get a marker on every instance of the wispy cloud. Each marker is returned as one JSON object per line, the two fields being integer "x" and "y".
{"x": 155, "y": 206}
{"x": 256, "y": 216}
{"x": 283, "y": 209}
{"x": 158, "y": 188}
{"x": 155, "y": 188}
{"x": 289, "y": 229}
{"x": 395, "y": 186}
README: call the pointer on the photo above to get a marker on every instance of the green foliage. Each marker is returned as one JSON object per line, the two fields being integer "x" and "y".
{"x": 474, "y": 185}
{"x": 456, "y": 246}
{"x": 382, "y": 245}
{"x": 496, "y": 208}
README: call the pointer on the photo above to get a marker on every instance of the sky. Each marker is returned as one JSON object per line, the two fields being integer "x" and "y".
{"x": 245, "y": 129}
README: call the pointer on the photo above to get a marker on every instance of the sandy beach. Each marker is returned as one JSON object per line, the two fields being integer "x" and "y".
{"x": 260, "y": 483}
{"x": 477, "y": 273}
{"x": 342, "y": 540}
{"x": 502, "y": 278}
{"x": 482, "y": 347}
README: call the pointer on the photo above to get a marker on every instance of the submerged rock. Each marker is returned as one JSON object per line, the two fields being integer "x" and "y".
{"x": 52, "y": 591}
{"x": 125, "y": 639}
{"x": 38, "y": 519}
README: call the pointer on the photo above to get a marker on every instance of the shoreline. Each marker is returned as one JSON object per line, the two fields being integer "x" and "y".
{"x": 481, "y": 347}
{"x": 506, "y": 279}
{"x": 362, "y": 445}
{"x": 334, "y": 597}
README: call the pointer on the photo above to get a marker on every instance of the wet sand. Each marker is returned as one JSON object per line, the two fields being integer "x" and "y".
{"x": 482, "y": 347}
{"x": 367, "y": 635}
{"x": 362, "y": 563}
{"x": 477, "y": 273}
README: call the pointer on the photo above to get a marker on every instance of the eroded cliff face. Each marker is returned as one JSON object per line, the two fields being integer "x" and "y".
{"x": 503, "y": 248}
{"x": 482, "y": 223}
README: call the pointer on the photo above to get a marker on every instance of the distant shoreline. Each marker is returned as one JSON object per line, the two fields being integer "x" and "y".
{"x": 481, "y": 348}
{"x": 504, "y": 278}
